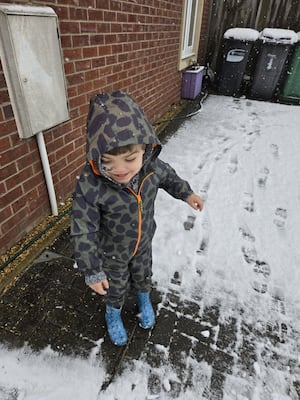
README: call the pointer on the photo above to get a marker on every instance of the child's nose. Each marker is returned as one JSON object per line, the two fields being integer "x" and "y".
{"x": 119, "y": 167}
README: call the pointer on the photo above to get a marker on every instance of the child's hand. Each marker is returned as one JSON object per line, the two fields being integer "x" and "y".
{"x": 195, "y": 202}
{"x": 100, "y": 287}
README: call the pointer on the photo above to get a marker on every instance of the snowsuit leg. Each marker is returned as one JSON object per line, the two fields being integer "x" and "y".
{"x": 121, "y": 276}
{"x": 140, "y": 268}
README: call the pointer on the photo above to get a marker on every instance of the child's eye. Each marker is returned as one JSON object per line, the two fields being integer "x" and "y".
{"x": 130, "y": 159}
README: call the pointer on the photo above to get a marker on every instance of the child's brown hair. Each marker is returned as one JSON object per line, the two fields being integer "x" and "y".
{"x": 124, "y": 149}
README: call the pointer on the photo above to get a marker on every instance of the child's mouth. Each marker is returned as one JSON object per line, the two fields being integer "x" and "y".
{"x": 120, "y": 177}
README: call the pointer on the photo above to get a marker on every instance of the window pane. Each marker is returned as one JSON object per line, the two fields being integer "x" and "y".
{"x": 192, "y": 23}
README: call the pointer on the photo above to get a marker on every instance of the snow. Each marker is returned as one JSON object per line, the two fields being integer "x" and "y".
{"x": 244, "y": 34}
{"x": 242, "y": 156}
{"x": 276, "y": 35}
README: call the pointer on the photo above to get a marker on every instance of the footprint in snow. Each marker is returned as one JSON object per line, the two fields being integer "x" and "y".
{"x": 274, "y": 150}
{"x": 278, "y": 301}
{"x": 199, "y": 167}
{"x": 176, "y": 280}
{"x": 250, "y": 254}
{"x": 261, "y": 269}
{"x": 250, "y": 139}
{"x": 246, "y": 233}
{"x": 203, "y": 191}
{"x": 248, "y": 202}
{"x": 260, "y": 287}
{"x": 233, "y": 164}
{"x": 202, "y": 249}
{"x": 189, "y": 223}
{"x": 262, "y": 177}
{"x": 280, "y": 217}
{"x": 277, "y": 331}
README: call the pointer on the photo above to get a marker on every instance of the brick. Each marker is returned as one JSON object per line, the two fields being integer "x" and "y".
{"x": 82, "y": 65}
{"x": 10, "y": 234}
{"x": 11, "y": 196}
{"x": 66, "y": 41}
{"x": 95, "y": 15}
{"x": 122, "y": 17}
{"x": 103, "y": 4}
{"x": 80, "y": 121}
{"x": 8, "y": 111}
{"x": 72, "y": 54}
{"x": 77, "y": 101}
{"x": 2, "y": 81}
{"x": 115, "y": 28}
{"x": 69, "y": 27}
{"x": 69, "y": 68}
{"x": 33, "y": 182}
{"x": 110, "y": 60}
{"x": 6, "y": 212}
{"x": 72, "y": 91}
{"x": 75, "y": 79}
{"x": 67, "y": 149}
{"x": 99, "y": 84}
{"x": 91, "y": 75}
{"x": 19, "y": 178}
{"x": 99, "y": 62}
{"x": 80, "y": 40}
{"x": 109, "y": 16}
{"x": 89, "y": 52}
{"x": 97, "y": 40}
{"x": 26, "y": 160}
{"x": 88, "y": 27}
{"x": 8, "y": 127}
{"x": 4, "y": 143}
{"x": 4, "y": 96}
{"x": 127, "y": 7}
{"x": 79, "y": 14}
{"x": 62, "y": 12}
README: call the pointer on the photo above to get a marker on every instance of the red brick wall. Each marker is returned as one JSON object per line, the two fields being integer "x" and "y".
{"x": 107, "y": 45}
{"x": 204, "y": 32}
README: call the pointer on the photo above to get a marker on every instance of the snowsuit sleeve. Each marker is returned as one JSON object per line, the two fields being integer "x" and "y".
{"x": 85, "y": 223}
{"x": 172, "y": 183}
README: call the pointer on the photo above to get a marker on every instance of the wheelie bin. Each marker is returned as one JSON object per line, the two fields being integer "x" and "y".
{"x": 291, "y": 86}
{"x": 275, "y": 47}
{"x": 236, "y": 48}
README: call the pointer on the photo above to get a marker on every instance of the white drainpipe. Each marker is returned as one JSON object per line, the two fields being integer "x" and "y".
{"x": 47, "y": 172}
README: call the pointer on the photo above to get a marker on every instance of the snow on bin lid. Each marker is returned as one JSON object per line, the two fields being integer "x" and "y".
{"x": 245, "y": 34}
{"x": 284, "y": 36}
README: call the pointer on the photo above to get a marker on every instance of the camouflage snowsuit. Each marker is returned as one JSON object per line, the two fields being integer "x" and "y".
{"x": 113, "y": 224}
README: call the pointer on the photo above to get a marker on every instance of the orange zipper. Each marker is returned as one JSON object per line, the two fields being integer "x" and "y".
{"x": 140, "y": 212}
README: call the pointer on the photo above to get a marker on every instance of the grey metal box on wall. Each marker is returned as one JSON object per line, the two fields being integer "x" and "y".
{"x": 33, "y": 68}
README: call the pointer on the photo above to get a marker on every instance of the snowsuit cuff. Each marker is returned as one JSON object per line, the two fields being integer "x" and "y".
{"x": 92, "y": 279}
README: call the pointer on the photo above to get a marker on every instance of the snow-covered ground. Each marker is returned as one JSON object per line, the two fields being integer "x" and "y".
{"x": 242, "y": 253}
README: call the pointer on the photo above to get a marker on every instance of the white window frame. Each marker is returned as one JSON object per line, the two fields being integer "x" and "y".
{"x": 190, "y": 32}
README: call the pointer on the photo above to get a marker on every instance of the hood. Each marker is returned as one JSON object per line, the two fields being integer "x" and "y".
{"x": 116, "y": 120}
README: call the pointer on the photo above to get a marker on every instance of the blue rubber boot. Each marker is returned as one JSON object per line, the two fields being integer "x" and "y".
{"x": 146, "y": 312}
{"x": 115, "y": 327}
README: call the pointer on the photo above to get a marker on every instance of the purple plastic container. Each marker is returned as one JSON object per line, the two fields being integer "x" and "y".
{"x": 192, "y": 82}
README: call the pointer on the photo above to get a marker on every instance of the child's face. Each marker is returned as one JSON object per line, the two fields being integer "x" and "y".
{"x": 123, "y": 167}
